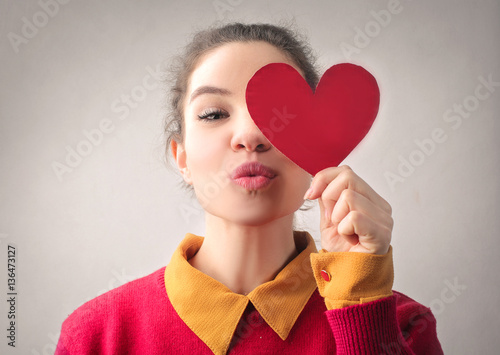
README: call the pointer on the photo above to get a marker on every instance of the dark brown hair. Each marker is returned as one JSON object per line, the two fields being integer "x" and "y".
{"x": 289, "y": 41}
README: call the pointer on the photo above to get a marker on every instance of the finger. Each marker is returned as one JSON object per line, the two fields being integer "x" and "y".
{"x": 321, "y": 180}
{"x": 325, "y": 221}
{"x": 329, "y": 184}
{"x": 374, "y": 237}
{"x": 351, "y": 200}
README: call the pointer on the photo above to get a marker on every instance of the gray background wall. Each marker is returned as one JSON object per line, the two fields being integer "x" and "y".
{"x": 116, "y": 213}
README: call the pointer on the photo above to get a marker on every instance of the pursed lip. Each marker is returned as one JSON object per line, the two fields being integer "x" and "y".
{"x": 253, "y": 168}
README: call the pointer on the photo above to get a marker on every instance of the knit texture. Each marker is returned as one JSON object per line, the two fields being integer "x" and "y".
{"x": 138, "y": 318}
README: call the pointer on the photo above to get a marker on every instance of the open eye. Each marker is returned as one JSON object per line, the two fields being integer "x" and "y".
{"x": 213, "y": 114}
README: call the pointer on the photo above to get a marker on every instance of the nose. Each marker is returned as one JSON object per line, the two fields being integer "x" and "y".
{"x": 248, "y": 136}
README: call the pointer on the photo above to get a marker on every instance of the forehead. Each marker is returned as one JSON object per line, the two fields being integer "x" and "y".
{"x": 231, "y": 65}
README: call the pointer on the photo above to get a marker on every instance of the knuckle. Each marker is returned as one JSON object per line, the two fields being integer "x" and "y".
{"x": 355, "y": 216}
{"x": 385, "y": 230}
{"x": 347, "y": 174}
{"x": 320, "y": 176}
{"x": 387, "y": 207}
{"x": 391, "y": 223}
{"x": 347, "y": 195}
{"x": 324, "y": 195}
{"x": 386, "y": 233}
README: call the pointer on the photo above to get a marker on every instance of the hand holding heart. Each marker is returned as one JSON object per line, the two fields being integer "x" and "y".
{"x": 353, "y": 216}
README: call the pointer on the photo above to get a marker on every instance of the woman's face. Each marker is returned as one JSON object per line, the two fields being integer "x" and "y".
{"x": 226, "y": 137}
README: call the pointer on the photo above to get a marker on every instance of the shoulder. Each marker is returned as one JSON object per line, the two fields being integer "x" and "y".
{"x": 115, "y": 308}
{"x": 132, "y": 292}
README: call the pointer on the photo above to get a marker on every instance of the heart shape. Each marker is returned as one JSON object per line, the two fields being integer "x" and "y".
{"x": 314, "y": 130}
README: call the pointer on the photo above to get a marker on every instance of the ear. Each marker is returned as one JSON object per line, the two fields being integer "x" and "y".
{"x": 180, "y": 158}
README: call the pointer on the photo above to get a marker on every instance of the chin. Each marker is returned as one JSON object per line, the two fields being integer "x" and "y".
{"x": 247, "y": 217}
{"x": 253, "y": 212}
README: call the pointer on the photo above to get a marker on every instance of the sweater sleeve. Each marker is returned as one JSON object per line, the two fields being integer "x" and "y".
{"x": 365, "y": 315}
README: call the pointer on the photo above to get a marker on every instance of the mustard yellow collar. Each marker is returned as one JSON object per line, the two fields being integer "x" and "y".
{"x": 212, "y": 311}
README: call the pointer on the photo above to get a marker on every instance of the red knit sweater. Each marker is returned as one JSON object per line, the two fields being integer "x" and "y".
{"x": 138, "y": 318}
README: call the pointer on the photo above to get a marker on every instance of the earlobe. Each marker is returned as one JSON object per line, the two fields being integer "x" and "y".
{"x": 179, "y": 154}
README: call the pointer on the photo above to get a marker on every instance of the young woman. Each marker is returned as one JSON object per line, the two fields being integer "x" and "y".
{"x": 253, "y": 284}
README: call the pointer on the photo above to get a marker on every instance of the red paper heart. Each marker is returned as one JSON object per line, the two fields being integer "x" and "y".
{"x": 314, "y": 130}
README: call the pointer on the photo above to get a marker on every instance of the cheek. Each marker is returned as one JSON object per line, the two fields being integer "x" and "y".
{"x": 302, "y": 180}
{"x": 203, "y": 151}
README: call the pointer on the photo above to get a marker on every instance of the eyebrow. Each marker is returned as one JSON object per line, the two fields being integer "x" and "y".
{"x": 208, "y": 90}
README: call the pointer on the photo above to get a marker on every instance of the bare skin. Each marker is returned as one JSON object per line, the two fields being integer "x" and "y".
{"x": 249, "y": 236}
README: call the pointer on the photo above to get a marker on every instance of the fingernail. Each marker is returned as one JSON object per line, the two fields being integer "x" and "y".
{"x": 308, "y": 193}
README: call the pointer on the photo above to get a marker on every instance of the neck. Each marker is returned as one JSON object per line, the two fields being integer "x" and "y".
{"x": 244, "y": 257}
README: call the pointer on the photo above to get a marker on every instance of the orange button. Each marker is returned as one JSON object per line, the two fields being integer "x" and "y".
{"x": 325, "y": 275}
